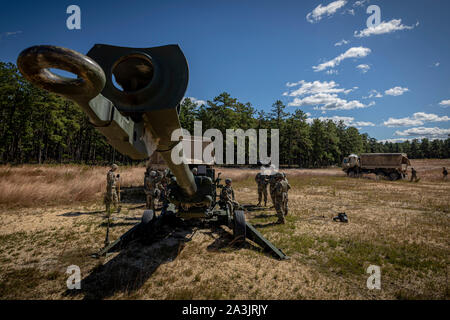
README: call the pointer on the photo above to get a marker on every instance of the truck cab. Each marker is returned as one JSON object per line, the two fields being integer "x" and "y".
{"x": 350, "y": 163}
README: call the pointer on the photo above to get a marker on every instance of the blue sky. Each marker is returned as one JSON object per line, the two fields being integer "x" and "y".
{"x": 391, "y": 81}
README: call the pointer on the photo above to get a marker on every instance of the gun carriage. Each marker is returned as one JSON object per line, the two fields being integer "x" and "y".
{"x": 132, "y": 96}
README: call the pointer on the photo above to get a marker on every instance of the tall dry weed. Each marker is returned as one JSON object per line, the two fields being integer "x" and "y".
{"x": 28, "y": 185}
{"x": 38, "y": 185}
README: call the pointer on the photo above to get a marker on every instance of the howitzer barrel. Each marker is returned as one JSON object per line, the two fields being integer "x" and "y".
{"x": 139, "y": 117}
{"x": 34, "y": 63}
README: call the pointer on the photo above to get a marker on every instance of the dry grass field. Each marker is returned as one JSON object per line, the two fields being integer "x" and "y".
{"x": 51, "y": 218}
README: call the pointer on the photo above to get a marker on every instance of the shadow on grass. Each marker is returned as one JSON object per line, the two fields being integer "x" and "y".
{"x": 263, "y": 216}
{"x": 113, "y": 224}
{"x": 134, "y": 265}
{"x": 224, "y": 241}
{"x": 265, "y": 225}
{"x": 253, "y": 208}
{"x": 79, "y": 213}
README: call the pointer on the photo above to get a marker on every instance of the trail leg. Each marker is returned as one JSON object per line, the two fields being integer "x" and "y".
{"x": 107, "y": 226}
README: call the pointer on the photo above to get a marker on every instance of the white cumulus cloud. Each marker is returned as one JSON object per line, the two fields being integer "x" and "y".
{"x": 348, "y": 121}
{"x": 351, "y": 11}
{"x": 322, "y": 95}
{"x": 363, "y": 67}
{"x": 342, "y": 42}
{"x": 425, "y": 132}
{"x": 320, "y": 11}
{"x": 393, "y": 140}
{"x": 315, "y": 87}
{"x": 417, "y": 119}
{"x": 373, "y": 94}
{"x": 198, "y": 102}
{"x": 326, "y": 101}
{"x": 360, "y": 3}
{"x": 384, "y": 27}
{"x": 445, "y": 103}
{"x": 355, "y": 52}
{"x": 396, "y": 91}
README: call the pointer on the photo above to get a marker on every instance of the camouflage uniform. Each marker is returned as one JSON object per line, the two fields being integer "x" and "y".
{"x": 272, "y": 183}
{"x": 111, "y": 192}
{"x": 413, "y": 175}
{"x": 262, "y": 182}
{"x": 280, "y": 196}
{"x": 163, "y": 184}
{"x": 227, "y": 195}
{"x": 150, "y": 188}
{"x": 286, "y": 206}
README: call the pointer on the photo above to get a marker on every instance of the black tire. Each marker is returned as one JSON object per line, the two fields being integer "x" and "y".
{"x": 379, "y": 175}
{"x": 147, "y": 217}
{"x": 394, "y": 176}
{"x": 239, "y": 228}
{"x": 229, "y": 221}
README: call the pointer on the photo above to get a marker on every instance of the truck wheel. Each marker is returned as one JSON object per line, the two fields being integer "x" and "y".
{"x": 239, "y": 228}
{"x": 394, "y": 176}
{"x": 351, "y": 174}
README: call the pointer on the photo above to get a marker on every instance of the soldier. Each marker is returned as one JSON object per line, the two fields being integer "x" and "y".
{"x": 163, "y": 183}
{"x": 150, "y": 182}
{"x": 227, "y": 195}
{"x": 414, "y": 175}
{"x": 194, "y": 171}
{"x": 271, "y": 188}
{"x": 262, "y": 182}
{"x": 147, "y": 186}
{"x": 111, "y": 192}
{"x": 280, "y": 194}
{"x": 112, "y": 180}
{"x": 444, "y": 173}
{"x": 286, "y": 207}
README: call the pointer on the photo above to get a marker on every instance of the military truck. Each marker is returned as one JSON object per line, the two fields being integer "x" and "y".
{"x": 390, "y": 165}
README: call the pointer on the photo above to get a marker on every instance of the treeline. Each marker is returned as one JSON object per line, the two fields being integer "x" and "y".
{"x": 40, "y": 127}
{"x": 302, "y": 143}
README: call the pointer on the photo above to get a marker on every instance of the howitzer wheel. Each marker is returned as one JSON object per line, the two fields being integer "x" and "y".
{"x": 147, "y": 216}
{"x": 239, "y": 228}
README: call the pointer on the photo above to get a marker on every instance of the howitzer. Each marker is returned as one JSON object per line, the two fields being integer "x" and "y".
{"x": 132, "y": 96}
